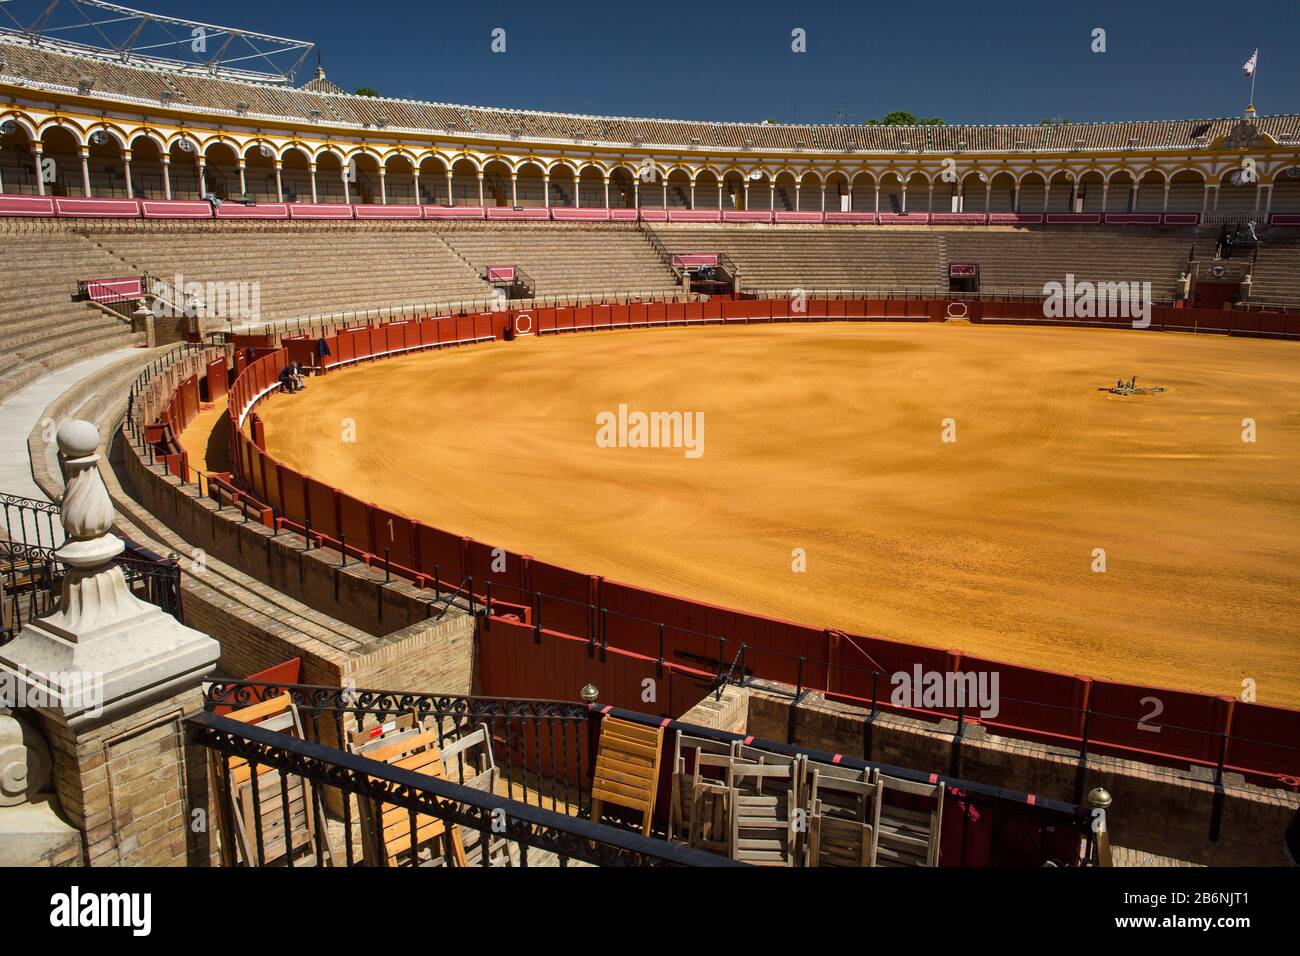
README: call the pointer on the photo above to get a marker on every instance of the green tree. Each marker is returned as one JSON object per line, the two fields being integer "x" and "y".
{"x": 367, "y": 91}
{"x": 900, "y": 118}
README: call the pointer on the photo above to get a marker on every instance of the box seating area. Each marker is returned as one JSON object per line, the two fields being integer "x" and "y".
{"x": 315, "y": 270}
{"x": 43, "y": 65}
{"x": 1015, "y": 262}
{"x": 41, "y": 327}
{"x": 566, "y": 258}
{"x": 815, "y": 257}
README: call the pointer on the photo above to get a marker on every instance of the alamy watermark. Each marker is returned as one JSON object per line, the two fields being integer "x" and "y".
{"x": 949, "y": 690}
{"x": 636, "y": 429}
{"x": 228, "y": 300}
{"x": 1098, "y": 300}
{"x": 80, "y": 691}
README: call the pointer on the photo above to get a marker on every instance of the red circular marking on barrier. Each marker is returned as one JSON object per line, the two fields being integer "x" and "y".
{"x": 748, "y": 741}
{"x": 964, "y": 313}
{"x": 934, "y": 778}
{"x": 1031, "y": 799}
{"x": 527, "y": 331}
{"x": 837, "y": 758}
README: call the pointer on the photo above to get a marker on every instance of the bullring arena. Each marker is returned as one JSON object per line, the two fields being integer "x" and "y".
{"x": 321, "y": 451}
{"x": 828, "y": 438}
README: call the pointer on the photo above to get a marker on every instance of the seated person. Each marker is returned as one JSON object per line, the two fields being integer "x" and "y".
{"x": 298, "y": 382}
{"x": 289, "y": 380}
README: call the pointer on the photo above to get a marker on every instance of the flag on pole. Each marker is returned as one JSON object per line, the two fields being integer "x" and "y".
{"x": 1249, "y": 68}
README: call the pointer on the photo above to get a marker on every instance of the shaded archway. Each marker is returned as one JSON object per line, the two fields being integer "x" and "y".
{"x": 622, "y": 195}
{"x": 1002, "y": 193}
{"x": 1150, "y": 192}
{"x": 679, "y": 189}
{"x": 758, "y": 191}
{"x": 295, "y": 175}
{"x": 1033, "y": 193}
{"x": 562, "y": 190}
{"x": 18, "y": 172}
{"x": 329, "y": 177}
{"x": 365, "y": 189}
{"x": 530, "y": 186}
{"x": 1061, "y": 192}
{"x": 862, "y": 197}
{"x": 1286, "y": 191}
{"x": 107, "y": 166}
{"x": 648, "y": 186}
{"x": 466, "y": 189}
{"x": 1186, "y": 191}
{"x": 1119, "y": 193}
{"x": 733, "y": 190}
{"x": 707, "y": 194}
{"x": 146, "y": 169}
{"x": 399, "y": 180}
{"x": 970, "y": 195}
{"x": 221, "y": 171}
{"x": 259, "y": 173}
{"x": 1091, "y": 186}
{"x": 61, "y": 162}
{"x": 1238, "y": 196}
{"x": 496, "y": 183}
{"x": 591, "y": 189}
{"x": 433, "y": 183}
{"x": 890, "y": 193}
{"x": 783, "y": 198}
{"x": 183, "y": 169}
{"x": 808, "y": 197}
{"x": 834, "y": 190}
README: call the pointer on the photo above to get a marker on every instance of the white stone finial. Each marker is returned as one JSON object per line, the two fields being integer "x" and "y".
{"x": 95, "y": 593}
{"x": 24, "y": 762}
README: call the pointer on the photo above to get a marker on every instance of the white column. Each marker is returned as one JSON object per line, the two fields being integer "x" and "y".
{"x": 451, "y": 198}
{"x": 719, "y": 195}
{"x": 347, "y": 189}
{"x": 203, "y": 176}
{"x": 746, "y": 194}
{"x": 823, "y": 197}
{"x": 243, "y": 179}
{"x": 415, "y": 179}
{"x": 1268, "y": 206}
{"x": 383, "y": 186}
{"x": 1047, "y": 195}
{"x": 1164, "y": 207}
{"x": 311, "y": 168}
{"x": 1133, "y": 197}
{"x": 771, "y": 195}
{"x": 167, "y": 175}
{"x": 988, "y": 195}
{"x": 577, "y": 191}
{"x": 663, "y": 186}
{"x": 85, "y": 172}
{"x": 930, "y": 200}
{"x": 126, "y": 168}
{"x": 514, "y": 189}
{"x": 903, "y": 200}
{"x": 636, "y": 192}
{"x": 1105, "y": 188}
{"x": 1015, "y": 198}
{"x": 692, "y": 194}
{"x": 546, "y": 190}
{"x": 38, "y": 152}
{"x": 606, "y": 191}
{"x": 797, "y": 187}
{"x": 482, "y": 199}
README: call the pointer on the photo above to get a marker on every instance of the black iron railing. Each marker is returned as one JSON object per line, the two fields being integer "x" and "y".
{"x": 541, "y": 747}
{"x": 536, "y": 835}
{"x": 31, "y": 575}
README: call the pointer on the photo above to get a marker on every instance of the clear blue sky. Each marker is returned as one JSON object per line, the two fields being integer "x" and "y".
{"x": 966, "y": 62}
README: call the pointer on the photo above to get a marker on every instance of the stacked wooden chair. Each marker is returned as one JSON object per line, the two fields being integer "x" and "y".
{"x": 264, "y": 833}
{"x": 774, "y": 809}
{"x": 843, "y": 816}
{"x": 627, "y": 769}
{"x": 468, "y": 761}
{"x": 394, "y": 835}
{"x": 910, "y": 837}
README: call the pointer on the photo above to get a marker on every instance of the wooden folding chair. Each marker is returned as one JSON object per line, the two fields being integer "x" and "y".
{"x": 303, "y": 833}
{"x": 627, "y": 769}
{"x": 710, "y": 803}
{"x": 468, "y": 761}
{"x": 762, "y": 798}
{"x": 843, "y": 818}
{"x": 908, "y": 837}
{"x": 391, "y": 838}
{"x": 400, "y": 727}
{"x": 682, "y": 796}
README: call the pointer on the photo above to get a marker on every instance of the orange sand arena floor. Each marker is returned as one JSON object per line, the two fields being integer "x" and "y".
{"x": 828, "y": 438}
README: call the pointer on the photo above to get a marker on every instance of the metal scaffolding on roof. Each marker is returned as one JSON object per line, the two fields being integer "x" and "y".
{"x": 96, "y": 28}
